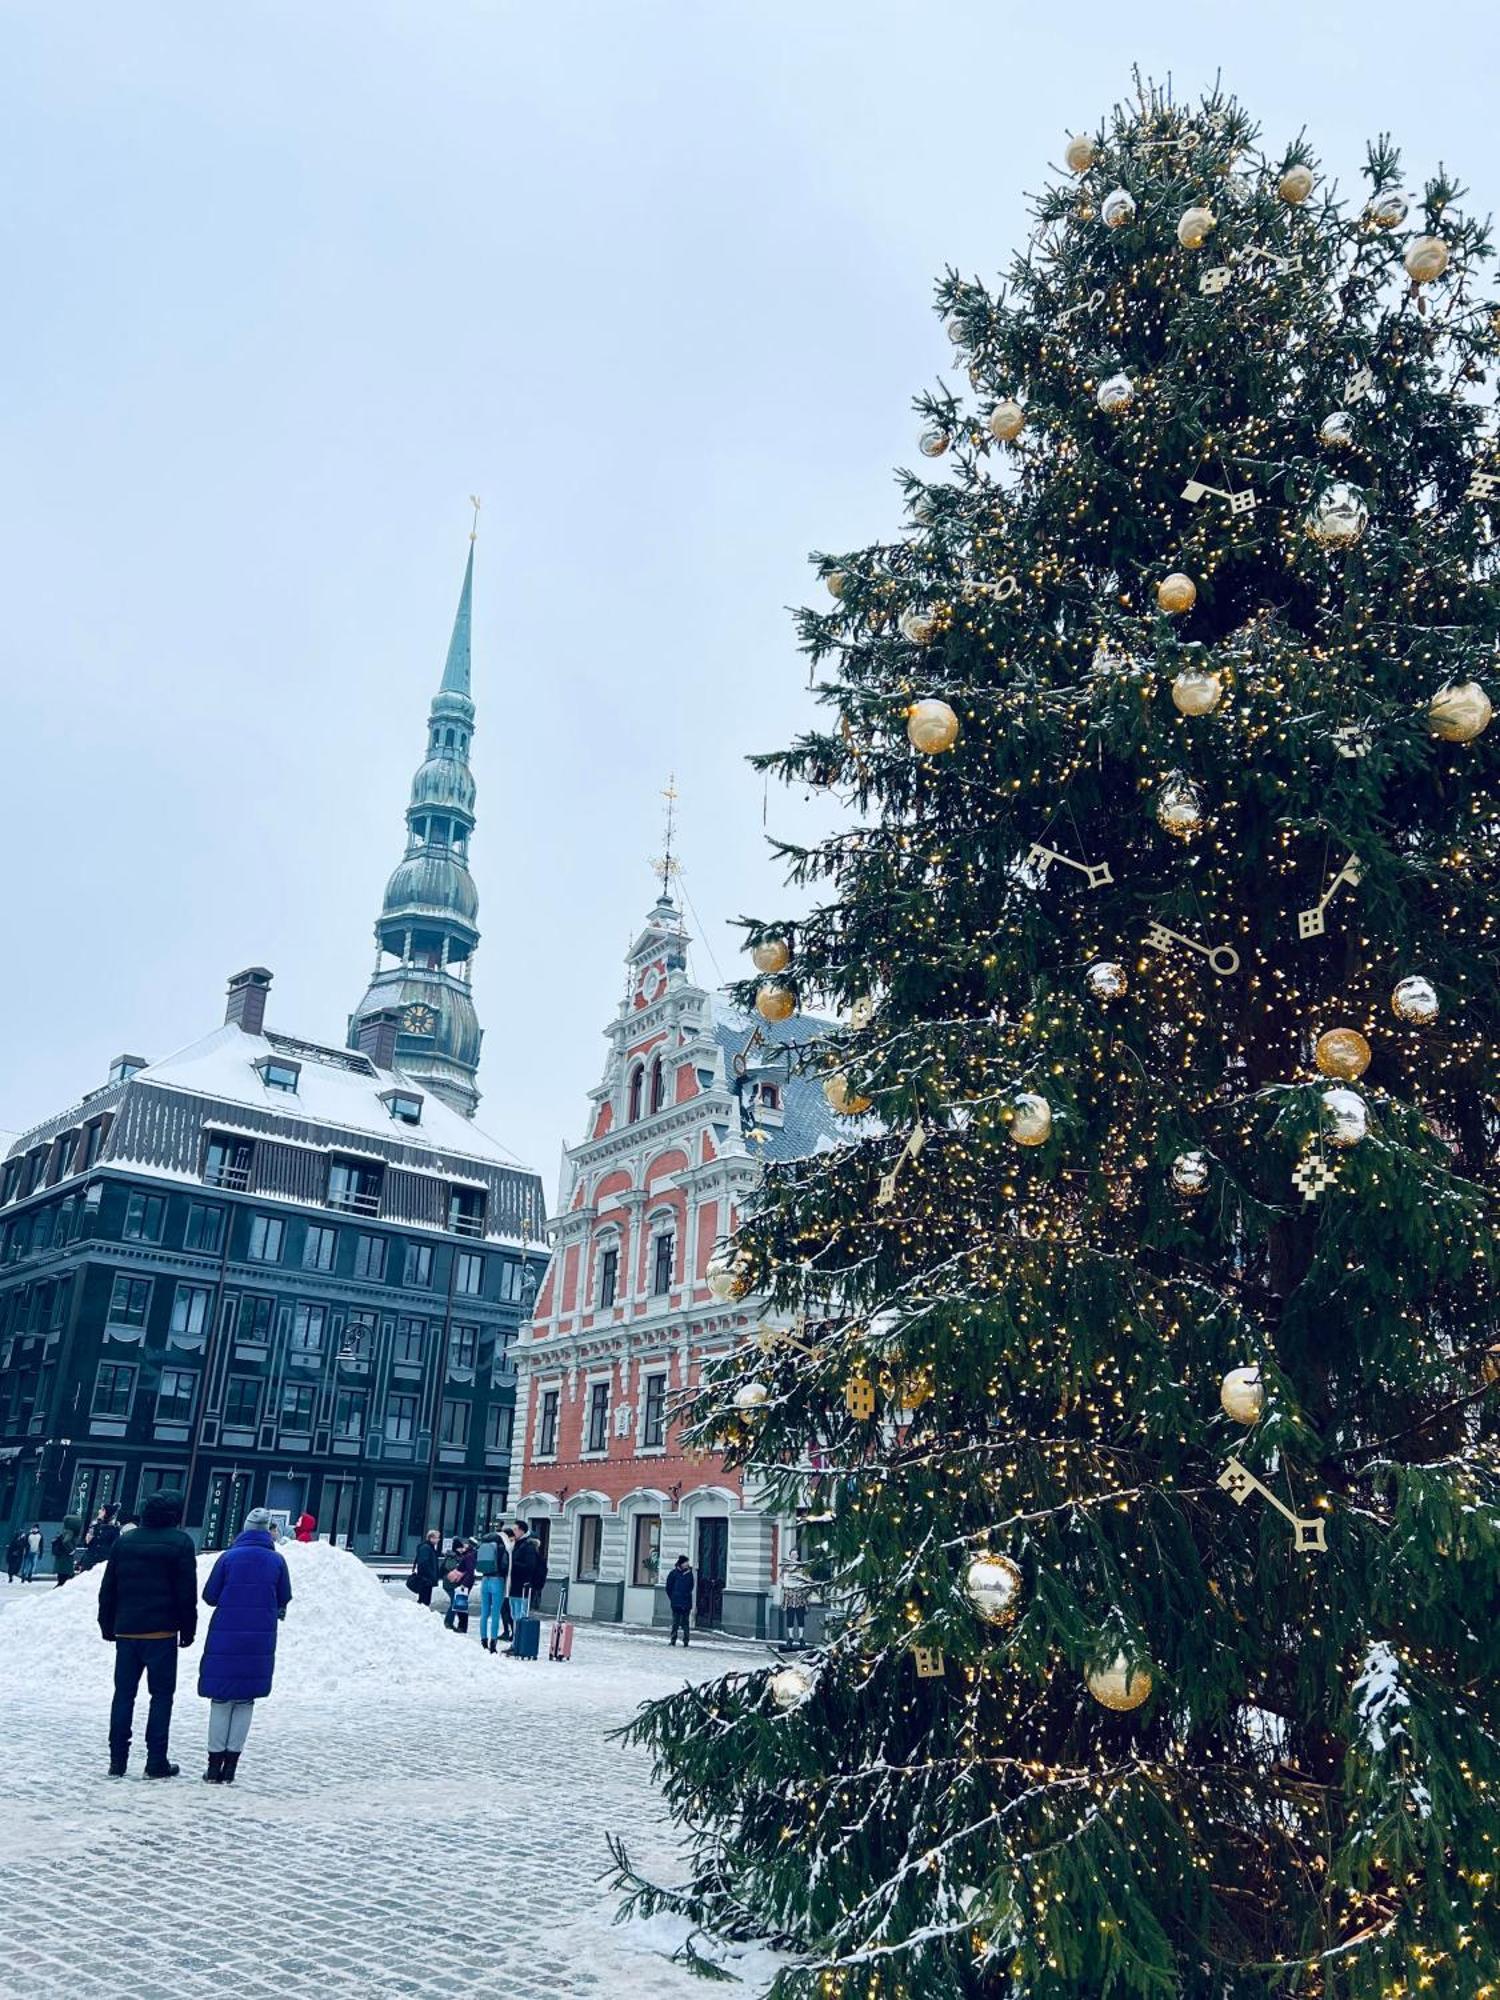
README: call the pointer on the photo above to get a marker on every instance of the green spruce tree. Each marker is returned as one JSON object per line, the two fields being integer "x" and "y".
{"x": 1135, "y": 1358}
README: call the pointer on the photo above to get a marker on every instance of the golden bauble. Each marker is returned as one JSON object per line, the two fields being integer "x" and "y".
{"x": 1459, "y": 713}
{"x": 1116, "y": 1685}
{"x": 932, "y": 444}
{"x": 1295, "y": 185}
{"x": 1007, "y": 420}
{"x": 728, "y": 1275}
{"x": 1345, "y": 1120}
{"x": 1190, "y": 1173}
{"x": 1080, "y": 153}
{"x": 772, "y": 954}
{"x": 931, "y": 727}
{"x": 1106, "y": 980}
{"x": 751, "y": 1396}
{"x": 1489, "y": 1367}
{"x": 1118, "y": 208}
{"x": 835, "y": 582}
{"x": 1386, "y": 211}
{"x": 992, "y": 1585}
{"x": 1337, "y": 430}
{"x": 1426, "y": 258}
{"x": 791, "y": 1685}
{"x": 848, "y": 1103}
{"x": 1032, "y": 1122}
{"x": 1115, "y": 395}
{"x": 1193, "y": 227}
{"x": 1342, "y": 1052}
{"x": 775, "y": 1001}
{"x": 1242, "y": 1395}
{"x": 920, "y": 627}
{"x": 1176, "y": 593}
{"x": 1415, "y": 1000}
{"x": 1196, "y": 691}
{"x": 1338, "y": 517}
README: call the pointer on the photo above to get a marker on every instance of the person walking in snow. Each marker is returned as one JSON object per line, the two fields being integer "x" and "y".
{"x": 249, "y": 1588}
{"x": 148, "y": 1611}
{"x": 15, "y": 1555}
{"x": 492, "y": 1566}
{"x": 680, "y": 1585}
{"x": 65, "y": 1548}
{"x": 458, "y": 1582}
{"x": 33, "y": 1553}
{"x": 426, "y": 1567}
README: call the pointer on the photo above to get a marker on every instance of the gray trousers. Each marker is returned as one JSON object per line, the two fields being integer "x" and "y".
{"x": 229, "y": 1724}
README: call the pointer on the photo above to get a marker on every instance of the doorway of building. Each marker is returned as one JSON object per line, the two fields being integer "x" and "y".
{"x": 340, "y": 1505}
{"x": 228, "y": 1504}
{"x": 713, "y": 1569}
{"x": 94, "y": 1486}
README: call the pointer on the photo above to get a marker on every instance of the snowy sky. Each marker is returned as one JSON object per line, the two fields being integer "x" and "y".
{"x": 286, "y": 282}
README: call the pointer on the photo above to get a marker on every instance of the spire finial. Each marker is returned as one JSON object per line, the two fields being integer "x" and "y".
{"x": 474, "y": 502}
{"x": 456, "y": 669}
{"x": 667, "y": 864}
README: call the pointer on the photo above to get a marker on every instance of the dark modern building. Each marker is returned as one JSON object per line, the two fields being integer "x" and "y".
{"x": 271, "y": 1272}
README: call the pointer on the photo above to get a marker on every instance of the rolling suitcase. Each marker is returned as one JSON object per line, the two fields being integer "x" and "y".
{"x": 528, "y": 1640}
{"x": 561, "y": 1647}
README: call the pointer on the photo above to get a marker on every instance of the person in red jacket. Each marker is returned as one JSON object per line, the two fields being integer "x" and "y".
{"x": 306, "y": 1527}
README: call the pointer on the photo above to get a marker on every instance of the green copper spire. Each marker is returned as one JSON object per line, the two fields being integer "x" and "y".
{"x": 456, "y": 672}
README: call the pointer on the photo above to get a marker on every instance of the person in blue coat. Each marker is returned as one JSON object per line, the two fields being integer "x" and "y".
{"x": 250, "y": 1589}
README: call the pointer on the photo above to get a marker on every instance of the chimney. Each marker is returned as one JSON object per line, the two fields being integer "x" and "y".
{"x": 246, "y": 1006}
{"x": 123, "y": 1068}
{"x": 376, "y": 1037}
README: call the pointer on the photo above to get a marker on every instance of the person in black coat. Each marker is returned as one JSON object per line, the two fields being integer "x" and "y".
{"x": 15, "y": 1552}
{"x": 427, "y": 1566}
{"x": 148, "y": 1610}
{"x": 680, "y": 1586}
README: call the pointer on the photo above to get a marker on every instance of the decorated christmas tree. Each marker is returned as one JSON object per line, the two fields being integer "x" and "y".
{"x": 1135, "y": 1360}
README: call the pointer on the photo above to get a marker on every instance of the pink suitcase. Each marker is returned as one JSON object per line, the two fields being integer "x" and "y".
{"x": 561, "y": 1647}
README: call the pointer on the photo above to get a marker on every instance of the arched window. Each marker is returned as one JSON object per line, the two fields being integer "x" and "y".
{"x": 637, "y": 1079}
{"x": 658, "y": 1085}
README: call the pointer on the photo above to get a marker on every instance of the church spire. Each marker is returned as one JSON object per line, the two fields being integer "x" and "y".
{"x": 427, "y": 930}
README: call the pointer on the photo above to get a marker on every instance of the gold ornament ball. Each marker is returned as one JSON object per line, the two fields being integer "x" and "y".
{"x": 835, "y": 582}
{"x": 775, "y": 1002}
{"x": 1118, "y": 208}
{"x": 1337, "y": 430}
{"x": 1194, "y": 226}
{"x": 1106, "y": 980}
{"x": 846, "y": 1102}
{"x": 1460, "y": 713}
{"x": 1345, "y": 1120}
{"x": 1342, "y": 1052}
{"x": 751, "y": 1396}
{"x": 1386, "y": 211}
{"x": 1242, "y": 1396}
{"x": 1176, "y": 593}
{"x": 1426, "y": 258}
{"x": 1415, "y": 1000}
{"x": 1115, "y": 395}
{"x": 931, "y": 727}
{"x": 1338, "y": 517}
{"x": 1080, "y": 153}
{"x": 1489, "y": 1367}
{"x": 772, "y": 954}
{"x": 1190, "y": 1173}
{"x": 1116, "y": 1685}
{"x": 790, "y": 1686}
{"x": 1196, "y": 691}
{"x": 1032, "y": 1122}
{"x": 932, "y": 444}
{"x": 992, "y": 1585}
{"x": 1179, "y": 807}
{"x": 728, "y": 1275}
{"x": 1295, "y": 185}
{"x": 920, "y": 627}
{"x": 1007, "y": 420}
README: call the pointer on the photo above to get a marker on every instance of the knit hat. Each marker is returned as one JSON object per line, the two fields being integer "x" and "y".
{"x": 258, "y": 1517}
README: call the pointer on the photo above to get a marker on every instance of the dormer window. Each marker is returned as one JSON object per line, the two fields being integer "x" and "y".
{"x": 770, "y": 1096}
{"x": 404, "y": 1105}
{"x": 276, "y": 1073}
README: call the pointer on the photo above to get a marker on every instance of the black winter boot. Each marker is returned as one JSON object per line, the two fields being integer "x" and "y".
{"x": 117, "y": 1767}
{"x": 161, "y": 1770}
{"x": 214, "y": 1775}
{"x": 231, "y": 1765}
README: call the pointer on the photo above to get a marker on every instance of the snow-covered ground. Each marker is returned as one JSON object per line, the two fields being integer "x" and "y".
{"x": 413, "y": 1816}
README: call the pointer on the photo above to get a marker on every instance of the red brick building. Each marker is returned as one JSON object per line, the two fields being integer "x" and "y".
{"x": 695, "y": 1097}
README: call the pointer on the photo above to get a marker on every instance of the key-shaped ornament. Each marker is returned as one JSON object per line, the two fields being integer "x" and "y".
{"x": 1223, "y": 958}
{"x": 1239, "y": 1482}
{"x": 1310, "y": 922}
{"x": 1242, "y": 502}
{"x": 859, "y": 1398}
{"x": 1084, "y": 305}
{"x": 1042, "y": 858}
{"x": 1214, "y": 280}
{"x": 885, "y": 1194}
{"x": 1482, "y": 486}
{"x": 929, "y": 1663}
{"x": 1360, "y": 385}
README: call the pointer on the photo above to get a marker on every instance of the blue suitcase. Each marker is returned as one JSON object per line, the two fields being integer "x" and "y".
{"x": 528, "y": 1639}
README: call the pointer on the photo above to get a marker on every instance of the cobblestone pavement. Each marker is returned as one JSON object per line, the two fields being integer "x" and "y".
{"x": 412, "y": 1849}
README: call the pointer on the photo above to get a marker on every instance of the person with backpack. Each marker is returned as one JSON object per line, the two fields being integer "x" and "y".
{"x": 148, "y": 1611}
{"x": 492, "y": 1566}
{"x": 458, "y": 1582}
{"x": 65, "y": 1549}
{"x": 250, "y": 1589}
{"x": 680, "y": 1586}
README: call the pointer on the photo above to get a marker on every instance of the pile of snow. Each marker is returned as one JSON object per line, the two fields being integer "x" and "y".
{"x": 345, "y": 1634}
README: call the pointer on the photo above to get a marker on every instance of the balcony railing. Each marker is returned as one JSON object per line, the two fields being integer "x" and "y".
{"x": 226, "y": 1176}
{"x": 466, "y": 1225}
{"x": 354, "y": 1201}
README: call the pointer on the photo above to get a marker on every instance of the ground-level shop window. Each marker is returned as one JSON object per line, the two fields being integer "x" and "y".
{"x": 646, "y": 1559}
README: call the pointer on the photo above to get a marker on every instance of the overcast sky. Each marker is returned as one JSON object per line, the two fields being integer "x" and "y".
{"x": 285, "y": 282}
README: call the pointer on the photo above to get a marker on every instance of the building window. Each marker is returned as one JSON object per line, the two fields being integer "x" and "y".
{"x": 658, "y": 1085}
{"x": 175, "y": 1395}
{"x": 355, "y": 1185}
{"x": 466, "y": 1211}
{"x": 388, "y": 1522}
{"x": 297, "y": 1406}
{"x": 609, "y": 1274}
{"x": 447, "y": 1509}
{"x": 598, "y": 1430}
{"x": 129, "y": 1301}
{"x": 12, "y": 1178}
{"x": 546, "y": 1430}
{"x": 93, "y": 1139}
{"x": 255, "y": 1320}
{"x": 190, "y": 1309}
{"x": 113, "y": 1387}
{"x": 267, "y": 1234}
{"x": 770, "y": 1096}
{"x": 369, "y": 1257}
{"x": 469, "y": 1273}
{"x": 62, "y": 1159}
{"x": 590, "y": 1536}
{"x": 418, "y": 1270}
{"x": 410, "y": 1336}
{"x": 349, "y": 1413}
{"x": 463, "y": 1347}
{"x": 307, "y": 1329}
{"x": 278, "y": 1075}
{"x": 62, "y": 1298}
{"x": 143, "y": 1218}
{"x": 515, "y": 1283}
{"x": 226, "y": 1163}
{"x": 205, "y": 1227}
{"x": 453, "y": 1428}
{"x": 664, "y": 1257}
{"x": 242, "y": 1401}
{"x": 407, "y": 1109}
{"x": 400, "y": 1419}
{"x": 645, "y": 1550}
{"x": 319, "y": 1248}
{"x": 637, "y": 1083}
{"x": 358, "y": 1343}
{"x": 499, "y": 1421}
{"x": 654, "y": 1416}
